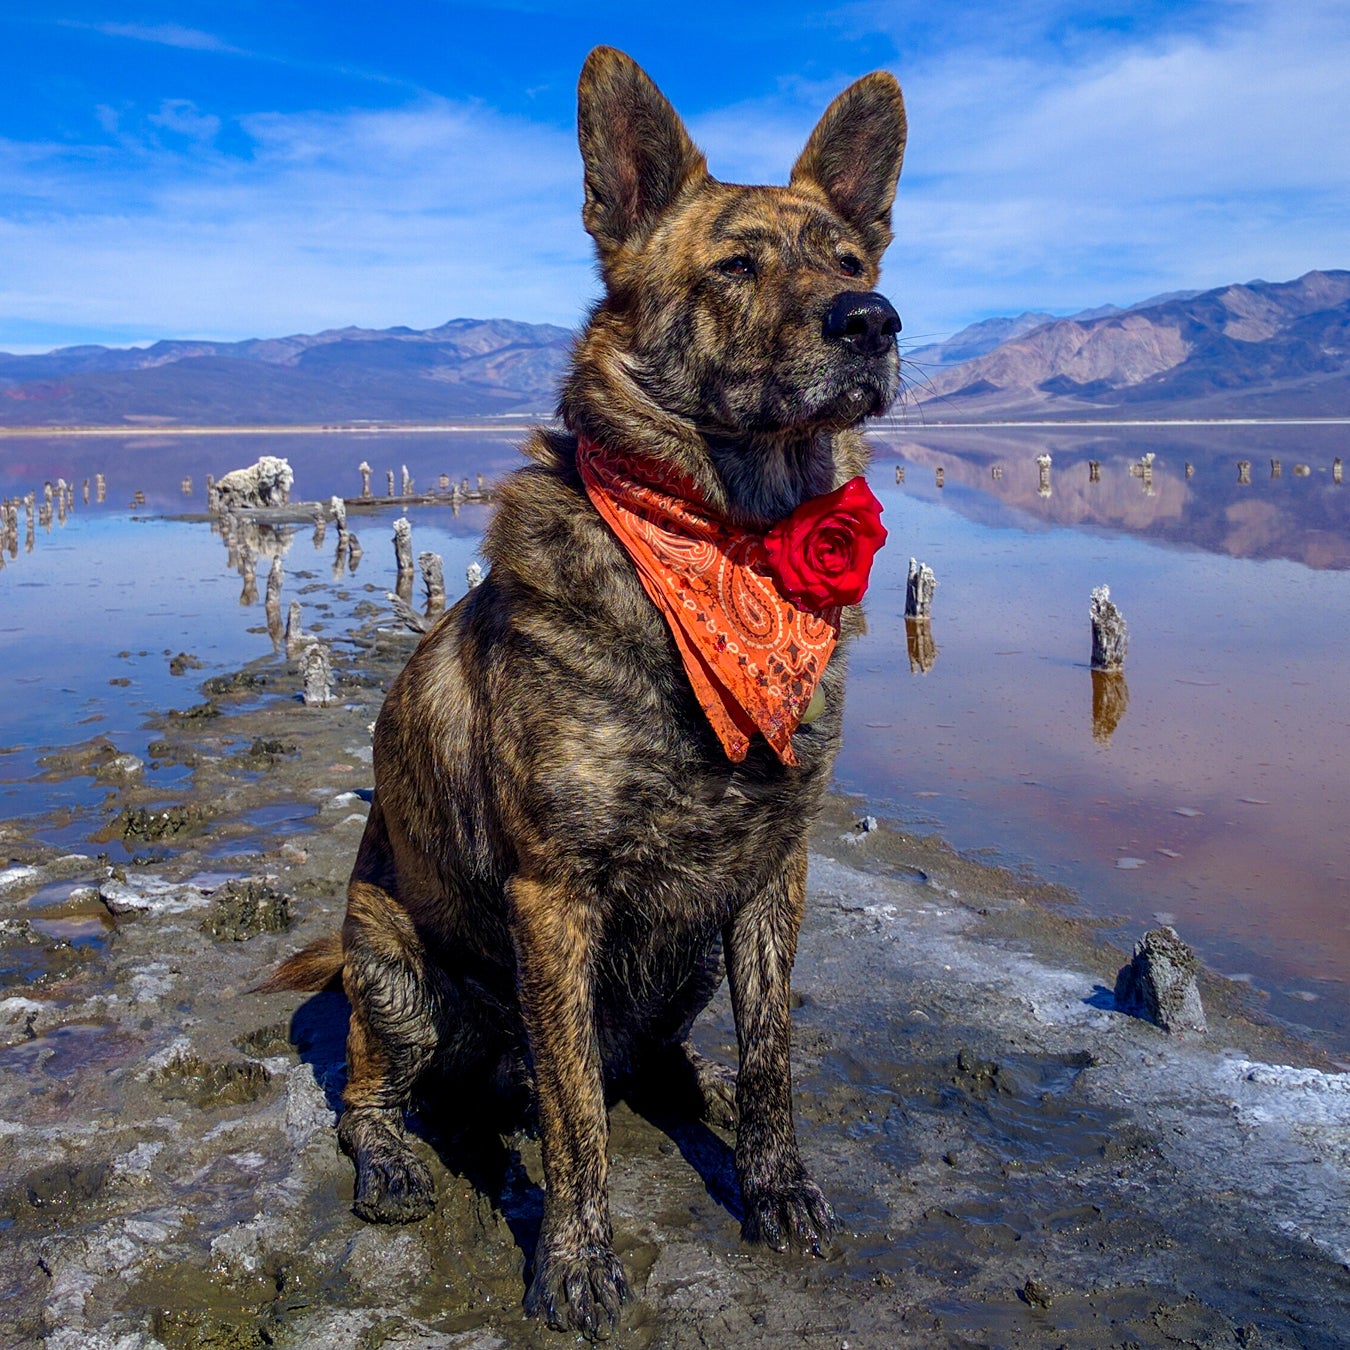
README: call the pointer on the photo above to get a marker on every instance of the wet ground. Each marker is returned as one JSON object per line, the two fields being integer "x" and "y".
{"x": 1014, "y": 1161}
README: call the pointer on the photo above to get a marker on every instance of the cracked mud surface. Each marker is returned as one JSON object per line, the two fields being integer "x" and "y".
{"x": 1014, "y": 1162}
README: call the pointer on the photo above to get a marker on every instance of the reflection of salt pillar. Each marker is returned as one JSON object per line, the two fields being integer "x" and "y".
{"x": 320, "y": 526}
{"x": 407, "y": 482}
{"x": 1110, "y": 637}
{"x": 939, "y": 476}
{"x": 61, "y": 501}
{"x": 919, "y": 642}
{"x": 433, "y": 578}
{"x": 1146, "y": 473}
{"x": 1043, "y": 464}
{"x": 996, "y": 473}
{"x": 86, "y": 492}
{"x": 295, "y": 636}
{"x": 1244, "y": 473}
{"x": 1190, "y": 469}
{"x": 1274, "y": 468}
{"x": 317, "y": 672}
{"x": 899, "y": 473}
{"x": 919, "y": 590}
{"x": 1110, "y": 698}
{"x": 389, "y": 481}
{"x": 1094, "y": 471}
{"x": 1336, "y": 470}
{"x": 364, "y": 470}
{"x": 272, "y": 604}
{"x": 186, "y": 486}
{"x": 338, "y": 509}
{"x": 100, "y": 488}
{"x": 248, "y": 569}
{"x": 353, "y": 553}
{"x": 404, "y": 558}
{"x": 473, "y": 574}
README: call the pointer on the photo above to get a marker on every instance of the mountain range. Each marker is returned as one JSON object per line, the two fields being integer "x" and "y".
{"x": 1262, "y": 349}
{"x": 1259, "y": 349}
{"x": 464, "y": 368}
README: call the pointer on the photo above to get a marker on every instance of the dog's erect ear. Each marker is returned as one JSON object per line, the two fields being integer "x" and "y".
{"x": 855, "y": 154}
{"x": 638, "y": 156}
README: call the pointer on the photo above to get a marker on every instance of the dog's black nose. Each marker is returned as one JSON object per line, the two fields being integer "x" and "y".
{"x": 862, "y": 321}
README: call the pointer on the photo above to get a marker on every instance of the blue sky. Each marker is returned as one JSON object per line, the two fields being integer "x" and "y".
{"x": 261, "y": 167}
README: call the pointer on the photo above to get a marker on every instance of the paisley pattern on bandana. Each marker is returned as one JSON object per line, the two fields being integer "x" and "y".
{"x": 753, "y": 657}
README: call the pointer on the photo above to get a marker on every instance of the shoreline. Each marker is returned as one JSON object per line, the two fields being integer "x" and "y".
{"x": 523, "y": 422}
{"x": 1014, "y": 1160}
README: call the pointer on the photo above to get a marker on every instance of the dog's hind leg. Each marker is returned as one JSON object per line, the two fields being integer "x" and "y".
{"x": 671, "y": 1069}
{"x": 783, "y": 1206}
{"x": 578, "y": 1283}
{"x": 395, "y": 1015}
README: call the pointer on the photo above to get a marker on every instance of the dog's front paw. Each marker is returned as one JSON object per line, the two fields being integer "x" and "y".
{"x": 578, "y": 1293}
{"x": 393, "y": 1185}
{"x": 795, "y": 1216}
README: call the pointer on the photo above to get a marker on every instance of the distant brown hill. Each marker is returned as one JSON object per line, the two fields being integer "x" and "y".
{"x": 1256, "y": 350}
{"x": 467, "y": 367}
{"x": 1262, "y": 350}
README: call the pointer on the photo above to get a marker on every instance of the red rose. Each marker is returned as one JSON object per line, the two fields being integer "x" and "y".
{"x": 821, "y": 555}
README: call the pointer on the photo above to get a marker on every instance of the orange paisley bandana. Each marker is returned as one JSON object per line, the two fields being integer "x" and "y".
{"x": 752, "y": 656}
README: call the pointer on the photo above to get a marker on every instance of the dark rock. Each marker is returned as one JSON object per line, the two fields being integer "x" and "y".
{"x": 271, "y": 748}
{"x": 1035, "y": 1294}
{"x": 240, "y": 682}
{"x": 1159, "y": 983}
{"x": 243, "y": 909}
{"x": 139, "y": 822}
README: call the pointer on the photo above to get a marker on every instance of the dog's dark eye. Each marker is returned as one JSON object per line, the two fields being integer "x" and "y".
{"x": 739, "y": 266}
{"x": 850, "y": 266}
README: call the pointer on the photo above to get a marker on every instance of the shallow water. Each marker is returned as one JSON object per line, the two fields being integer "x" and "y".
{"x": 1208, "y": 788}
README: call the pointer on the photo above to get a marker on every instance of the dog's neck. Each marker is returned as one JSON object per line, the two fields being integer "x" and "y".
{"x": 750, "y": 480}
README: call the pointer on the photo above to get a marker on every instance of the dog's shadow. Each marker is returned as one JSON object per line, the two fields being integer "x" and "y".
{"x": 483, "y": 1145}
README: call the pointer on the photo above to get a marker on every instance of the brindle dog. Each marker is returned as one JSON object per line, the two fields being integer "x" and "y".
{"x": 559, "y": 851}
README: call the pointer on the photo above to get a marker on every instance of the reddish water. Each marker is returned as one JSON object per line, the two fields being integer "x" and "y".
{"x": 1211, "y": 787}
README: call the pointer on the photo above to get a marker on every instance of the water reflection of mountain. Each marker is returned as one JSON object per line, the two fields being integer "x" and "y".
{"x": 1290, "y": 505}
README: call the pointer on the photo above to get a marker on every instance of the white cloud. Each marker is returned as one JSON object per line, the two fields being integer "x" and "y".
{"x": 1034, "y": 179}
{"x": 180, "y": 115}
{"x": 408, "y": 216}
{"x": 167, "y": 35}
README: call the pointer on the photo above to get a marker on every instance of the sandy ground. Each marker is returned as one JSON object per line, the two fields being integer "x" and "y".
{"x": 1015, "y": 1162}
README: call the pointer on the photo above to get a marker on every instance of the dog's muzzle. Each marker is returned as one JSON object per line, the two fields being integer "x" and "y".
{"x": 863, "y": 322}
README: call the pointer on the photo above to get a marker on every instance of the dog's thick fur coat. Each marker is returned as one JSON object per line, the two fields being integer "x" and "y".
{"x": 559, "y": 856}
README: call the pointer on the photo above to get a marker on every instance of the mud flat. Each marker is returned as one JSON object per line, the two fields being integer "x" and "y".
{"x": 1015, "y": 1161}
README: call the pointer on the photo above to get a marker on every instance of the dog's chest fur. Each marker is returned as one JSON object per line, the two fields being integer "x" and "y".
{"x": 561, "y": 671}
